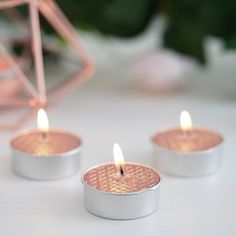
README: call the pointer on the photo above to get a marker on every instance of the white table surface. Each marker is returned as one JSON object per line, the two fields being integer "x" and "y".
{"x": 108, "y": 109}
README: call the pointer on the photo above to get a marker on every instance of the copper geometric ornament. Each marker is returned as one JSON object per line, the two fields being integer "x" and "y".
{"x": 40, "y": 96}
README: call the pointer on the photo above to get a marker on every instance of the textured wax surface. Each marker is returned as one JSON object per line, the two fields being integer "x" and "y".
{"x": 55, "y": 142}
{"x": 107, "y": 178}
{"x": 195, "y": 140}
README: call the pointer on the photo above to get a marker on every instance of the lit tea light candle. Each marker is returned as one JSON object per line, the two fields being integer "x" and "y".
{"x": 187, "y": 150}
{"x": 121, "y": 190}
{"x": 45, "y": 153}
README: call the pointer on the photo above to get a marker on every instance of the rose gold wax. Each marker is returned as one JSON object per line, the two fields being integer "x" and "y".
{"x": 136, "y": 178}
{"x": 54, "y": 142}
{"x": 197, "y": 139}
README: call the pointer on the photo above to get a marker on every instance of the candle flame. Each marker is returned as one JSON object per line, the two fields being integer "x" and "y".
{"x": 185, "y": 121}
{"x": 42, "y": 120}
{"x": 118, "y": 156}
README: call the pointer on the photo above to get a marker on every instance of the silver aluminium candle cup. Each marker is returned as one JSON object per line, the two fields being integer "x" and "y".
{"x": 121, "y": 206}
{"x": 187, "y": 164}
{"x": 49, "y": 167}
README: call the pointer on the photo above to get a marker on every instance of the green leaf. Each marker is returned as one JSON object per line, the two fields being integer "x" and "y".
{"x": 191, "y": 21}
{"x": 116, "y": 17}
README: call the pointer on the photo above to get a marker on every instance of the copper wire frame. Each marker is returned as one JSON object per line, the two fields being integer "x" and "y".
{"x": 39, "y": 96}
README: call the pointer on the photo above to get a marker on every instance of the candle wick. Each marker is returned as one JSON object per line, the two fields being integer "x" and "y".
{"x": 121, "y": 171}
{"x": 44, "y": 135}
{"x": 189, "y": 134}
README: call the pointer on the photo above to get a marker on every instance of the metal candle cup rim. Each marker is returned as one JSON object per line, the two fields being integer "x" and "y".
{"x": 120, "y": 194}
{"x": 60, "y": 154}
{"x": 166, "y": 128}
